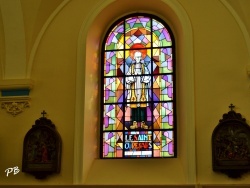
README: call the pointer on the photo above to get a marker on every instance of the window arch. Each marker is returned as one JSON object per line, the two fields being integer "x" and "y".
{"x": 138, "y": 89}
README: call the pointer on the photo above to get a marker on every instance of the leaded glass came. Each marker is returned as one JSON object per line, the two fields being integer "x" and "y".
{"x": 138, "y": 89}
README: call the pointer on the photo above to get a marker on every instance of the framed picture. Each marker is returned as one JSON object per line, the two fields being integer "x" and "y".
{"x": 42, "y": 149}
{"x": 231, "y": 145}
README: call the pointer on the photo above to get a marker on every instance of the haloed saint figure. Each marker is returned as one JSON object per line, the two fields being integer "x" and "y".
{"x": 137, "y": 83}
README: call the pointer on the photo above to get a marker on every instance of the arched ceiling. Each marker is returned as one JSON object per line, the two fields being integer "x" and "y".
{"x": 242, "y": 8}
{"x": 35, "y": 14}
{"x": 21, "y": 22}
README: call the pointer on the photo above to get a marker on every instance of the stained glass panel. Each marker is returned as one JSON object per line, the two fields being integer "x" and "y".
{"x": 113, "y": 89}
{"x": 163, "y": 115}
{"x": 163, "y": 87}
{"x": 138, "y": 74}
{"x": 161, "y": 36}
{"x": 112, "y": 144}
{"x": 163, "y": 143}
{"x": 163, "y": 60}
{"x": 138, "y": 144}
{"x": 113, "y": 117}
{"x": 137, "y": 31}
{"x": 114, "y": 63}
{"x": 115, "y": 40}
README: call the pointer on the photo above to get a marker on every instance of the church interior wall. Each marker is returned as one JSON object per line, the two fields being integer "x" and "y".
{"x": 63, "y": 40}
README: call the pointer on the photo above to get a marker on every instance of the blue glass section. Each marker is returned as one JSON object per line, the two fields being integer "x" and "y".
{"x": 15, "y": 92}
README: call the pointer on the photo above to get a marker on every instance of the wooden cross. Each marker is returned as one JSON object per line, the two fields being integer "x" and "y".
{"x": 43, "y": 113}
{"x": 231, "y": 107}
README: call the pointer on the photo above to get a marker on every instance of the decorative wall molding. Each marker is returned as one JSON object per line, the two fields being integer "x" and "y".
{"x": 15, "y": 105}
{"x": 15, "y": 95}
{"x": 16, "y": 84}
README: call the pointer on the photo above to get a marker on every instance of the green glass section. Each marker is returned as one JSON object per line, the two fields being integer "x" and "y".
{"x": 111, "y": 46}
{"x": 150, "y": 37}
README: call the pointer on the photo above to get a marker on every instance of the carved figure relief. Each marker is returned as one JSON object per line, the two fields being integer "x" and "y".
{"x": 231, "y": 145}
{"x": 42, "y": 149}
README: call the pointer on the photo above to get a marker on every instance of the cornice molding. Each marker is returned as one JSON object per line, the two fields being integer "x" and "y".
{"x": 13, "y": 101}
{"x": 12, "y": 84}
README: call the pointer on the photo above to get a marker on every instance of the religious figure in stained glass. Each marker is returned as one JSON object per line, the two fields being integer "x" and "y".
{"x": 138, "y": 89}
{"x": 137, "y": 85}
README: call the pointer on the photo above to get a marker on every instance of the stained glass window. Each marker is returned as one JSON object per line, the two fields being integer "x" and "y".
{"x": 138, "y": 89}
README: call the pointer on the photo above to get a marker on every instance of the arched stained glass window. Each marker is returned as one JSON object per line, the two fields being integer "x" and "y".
{"x": 138, "y": 89}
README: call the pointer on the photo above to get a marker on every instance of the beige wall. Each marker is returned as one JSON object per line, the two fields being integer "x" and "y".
{"x": 62, "y": 41}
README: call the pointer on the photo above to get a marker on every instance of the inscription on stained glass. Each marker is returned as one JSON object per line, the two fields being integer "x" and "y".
{"x": 138, "y": 100}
